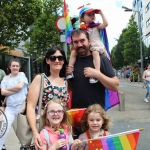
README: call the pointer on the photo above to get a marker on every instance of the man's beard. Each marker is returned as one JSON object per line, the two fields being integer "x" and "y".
{"x": 83, "y": 53}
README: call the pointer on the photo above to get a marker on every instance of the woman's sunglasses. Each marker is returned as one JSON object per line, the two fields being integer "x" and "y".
{"x": 53, "y": 58}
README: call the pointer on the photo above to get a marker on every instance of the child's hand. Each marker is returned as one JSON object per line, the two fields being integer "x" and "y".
{"x": 75, "y": 144}
{"x": 98, "y": 11}
{"x": 60, "y": 143}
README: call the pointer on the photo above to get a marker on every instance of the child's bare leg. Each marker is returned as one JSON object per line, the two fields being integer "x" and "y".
{"x": 72, "y": 59}
{"x": 96, "y": 60}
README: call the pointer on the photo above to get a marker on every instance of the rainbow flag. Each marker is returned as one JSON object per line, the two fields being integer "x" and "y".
{"x": 121, "y": 141}
{"x": 111, "y": 99}
{"x": 76, "y": 115}
{"x": 69, "y": 27}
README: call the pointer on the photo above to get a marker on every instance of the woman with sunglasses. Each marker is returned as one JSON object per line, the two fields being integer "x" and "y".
{"x": 55, "y": 86}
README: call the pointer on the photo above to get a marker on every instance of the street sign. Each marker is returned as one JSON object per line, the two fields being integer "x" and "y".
{"x": 60, "y": 23}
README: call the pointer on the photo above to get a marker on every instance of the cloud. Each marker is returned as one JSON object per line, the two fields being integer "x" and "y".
{"x": 112, "y": 9}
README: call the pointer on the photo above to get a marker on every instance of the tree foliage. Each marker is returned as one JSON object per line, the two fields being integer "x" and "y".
{"x": 45, "y": 33}
{"x": 131, "y": 42}
{"x": 127, "y": 50}
{"x": 15, "y": 18}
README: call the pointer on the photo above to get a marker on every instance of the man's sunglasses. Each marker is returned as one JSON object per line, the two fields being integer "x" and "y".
{"x": 53, "y": 58}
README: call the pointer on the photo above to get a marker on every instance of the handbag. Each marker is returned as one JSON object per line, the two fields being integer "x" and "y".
{"x": 21, "y": 125}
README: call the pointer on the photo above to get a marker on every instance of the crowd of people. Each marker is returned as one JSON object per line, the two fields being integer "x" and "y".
{"x": 90, "y": 63}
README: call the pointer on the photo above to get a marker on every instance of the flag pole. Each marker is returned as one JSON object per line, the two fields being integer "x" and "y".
{"x": 141, "y": 129}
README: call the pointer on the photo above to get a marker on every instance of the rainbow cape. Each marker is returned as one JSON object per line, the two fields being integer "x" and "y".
{"x": 104, "y": 38}
{"x": 111, "y": 97}
{"x": 121, "y": 141}
{"x": 76, "y": 115}
{"x": 69, "y": 27}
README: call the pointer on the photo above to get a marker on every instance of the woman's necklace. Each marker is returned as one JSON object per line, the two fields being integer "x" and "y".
{"x": 55, "y": 80}
{"x": 55, "y": 128}
{"x": 98, "y": 135}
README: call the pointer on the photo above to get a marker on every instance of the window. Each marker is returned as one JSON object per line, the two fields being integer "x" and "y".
{"x": 148, "y": 22}
{"x": 147, "y": 7}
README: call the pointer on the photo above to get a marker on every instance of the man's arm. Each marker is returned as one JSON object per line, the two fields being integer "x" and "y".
{"x": 108, "y": 82}
{"x": 106, "y": 74}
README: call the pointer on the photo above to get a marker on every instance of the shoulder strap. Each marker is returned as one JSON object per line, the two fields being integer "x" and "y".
{"x": 46, "y": 137}
{"x": 88, "y": 134}
{"x": 104, "y": 134}
{"x": 40, "y": 96}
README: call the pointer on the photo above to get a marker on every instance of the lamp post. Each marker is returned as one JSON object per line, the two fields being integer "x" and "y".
{"x": 139, "y": 24}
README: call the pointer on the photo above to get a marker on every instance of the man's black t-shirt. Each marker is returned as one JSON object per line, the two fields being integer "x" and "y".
{"x": 83, "y": 92}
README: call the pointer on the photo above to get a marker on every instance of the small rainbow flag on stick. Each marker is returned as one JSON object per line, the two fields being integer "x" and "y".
{"x": 76, "y": 115}
{"x": 121, "y": 141}
{"x": 69, "y": 27}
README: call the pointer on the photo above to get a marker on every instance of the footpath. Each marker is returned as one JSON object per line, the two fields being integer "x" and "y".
{"x": 135, "y": 116}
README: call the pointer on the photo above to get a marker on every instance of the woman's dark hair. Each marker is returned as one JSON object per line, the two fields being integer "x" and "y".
{"x": 15, "y": 60}
{"x": 50, "y": 52}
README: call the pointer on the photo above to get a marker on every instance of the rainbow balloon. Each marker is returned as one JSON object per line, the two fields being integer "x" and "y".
{"x": 121, "y": 141}
{"x": 69, "y": 27}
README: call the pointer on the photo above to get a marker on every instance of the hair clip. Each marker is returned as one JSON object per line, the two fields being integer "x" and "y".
{"x": 62, "y": 104}
{"x": 83, "y": 6}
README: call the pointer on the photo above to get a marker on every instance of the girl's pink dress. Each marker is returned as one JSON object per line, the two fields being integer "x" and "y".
{"x": 54, "y": 135}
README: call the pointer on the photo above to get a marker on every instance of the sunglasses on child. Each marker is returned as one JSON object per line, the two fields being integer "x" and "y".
{"x": 53, "y": 58}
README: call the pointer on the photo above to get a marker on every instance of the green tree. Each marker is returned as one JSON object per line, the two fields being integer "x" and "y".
{"x": 15, "y": 18}
{"x": 131, "y": 42}
{"x": 45, "y": 33}
{"x": 114, "y": 59}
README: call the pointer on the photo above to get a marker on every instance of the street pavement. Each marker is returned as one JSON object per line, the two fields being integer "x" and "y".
{"x": 135, "y": 116}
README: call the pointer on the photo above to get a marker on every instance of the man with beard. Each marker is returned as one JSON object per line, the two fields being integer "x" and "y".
{"x": 84, "y": 93}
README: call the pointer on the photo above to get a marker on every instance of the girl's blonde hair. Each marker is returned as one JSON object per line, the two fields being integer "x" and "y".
{"x": 66, "y": 118}
{"x": 96, "y": 108}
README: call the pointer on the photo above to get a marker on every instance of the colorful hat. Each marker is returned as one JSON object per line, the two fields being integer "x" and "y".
{"x": 85, "y": 9}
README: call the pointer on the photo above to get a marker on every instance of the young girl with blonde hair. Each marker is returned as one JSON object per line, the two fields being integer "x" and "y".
{"x": 94, "y": 124}
{"x": 57, "y": 132}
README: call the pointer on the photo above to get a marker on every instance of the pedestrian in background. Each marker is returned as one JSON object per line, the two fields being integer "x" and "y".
{"x": 146, "y": 77}
{"x": 14, "y": 87}
{"x": 144, "y": 81}
{"x": 128, "y": 75}
{"x": 118, "y": 74}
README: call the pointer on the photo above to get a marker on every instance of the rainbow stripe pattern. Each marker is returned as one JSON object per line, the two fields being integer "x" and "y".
{"x": 76, "y": 115}
{"x": 104, "y": 38}
{"x": 111, "y": 99}
{"x": 121, "y": 141}
{"x": 69, "y": 27}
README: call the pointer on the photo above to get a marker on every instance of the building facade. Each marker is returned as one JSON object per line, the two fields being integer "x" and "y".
{"x": 143, "y": 7}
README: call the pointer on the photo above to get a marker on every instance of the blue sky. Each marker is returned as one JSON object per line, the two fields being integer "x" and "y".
{"x": 116, "y": 16}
